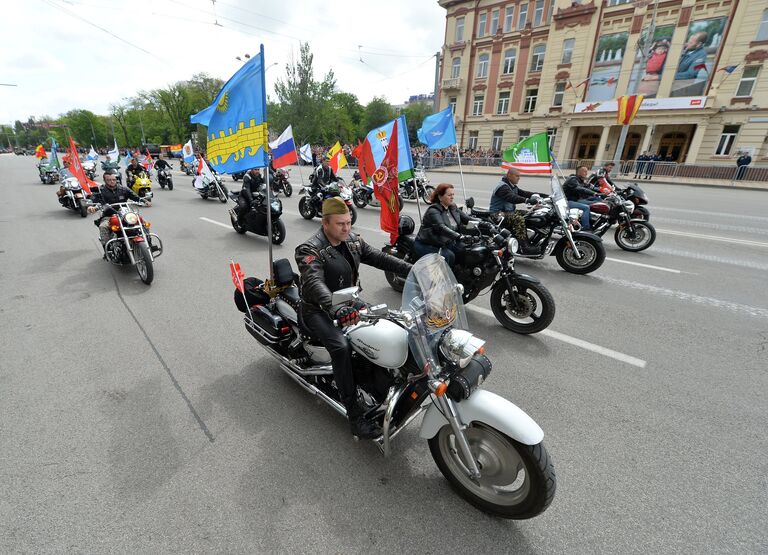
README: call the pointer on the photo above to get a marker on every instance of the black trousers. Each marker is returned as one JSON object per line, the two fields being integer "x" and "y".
{"x": 338, "y": 347}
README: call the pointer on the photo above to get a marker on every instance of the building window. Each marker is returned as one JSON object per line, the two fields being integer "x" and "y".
{"x": 481, "y": 25}
{"x": 477, "y": 105}
{"x": 509, "y": 60}
{"x": 762, "y": 31}
{"x": 567, "y": 51}
{"x": 748, "y": 77}
{"x": 538, "y": 13}
{"x": 503, "y": 105}
{"x": 551, "y": 134}
{"x": 494, "y": 21}
{"x": 524, "y": 134}
{"x": 455, "y": 68}
{"x": 452, "y": 103}
{"x": 559, "y": 94}
{"x": 498, "y": 137}
{"x": 618, "y": 2}
{"x": 530, "y": 100}
{"x": 522, "y": 17}
{"x": 509, "y": 18}
{"x": 726, "y": 140}
{"x": 482, "y": 66}
{"x": 537, "y": 58}
{"x": 459, "y": 29}
{"x": 473, "y": 140}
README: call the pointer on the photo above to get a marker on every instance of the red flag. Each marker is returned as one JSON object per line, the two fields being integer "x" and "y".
{"x": 365, "y": 164}
{"x": 40, "y": 152}
{"x": 700, "y": 66}
{"x": 385, "y": 187}
{"x": 147, "y": 163}
{"x": 237, "y": 276}
{"x": 76, "y": 169}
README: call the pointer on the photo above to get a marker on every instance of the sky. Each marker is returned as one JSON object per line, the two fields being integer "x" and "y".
{"x": 89, "y": 54}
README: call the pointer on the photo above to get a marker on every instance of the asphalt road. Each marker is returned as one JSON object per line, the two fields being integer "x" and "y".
{"x": 145, "y": 419}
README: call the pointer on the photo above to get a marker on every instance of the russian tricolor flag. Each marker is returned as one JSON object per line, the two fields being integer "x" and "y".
{"x": 284, "y": 149}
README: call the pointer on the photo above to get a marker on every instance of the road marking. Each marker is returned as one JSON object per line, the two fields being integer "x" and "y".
{"x": 705, "y": 213}
{"x": 576, "y": 342}
{"x": 714, "y": 226}
{"x": 755, "y": 311}
{"x": 660, "y": 268}
{"x": 713, "y": 238}
{"x": 710, "y": 258}
{"x": 215, "y": 222}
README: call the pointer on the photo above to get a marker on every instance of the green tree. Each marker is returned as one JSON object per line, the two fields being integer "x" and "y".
{"x": 415, "y": 113}
{"x": 377, "y": 112}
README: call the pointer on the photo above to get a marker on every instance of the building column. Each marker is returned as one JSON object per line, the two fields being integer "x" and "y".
{"x": 645, "y": 145}
{"x": 564, "y": 136}
{"x": 693, "y": 148}
{"x": 600, "y": 154}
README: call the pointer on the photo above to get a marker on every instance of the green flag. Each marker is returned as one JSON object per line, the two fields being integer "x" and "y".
{"x": 531, "y": 155}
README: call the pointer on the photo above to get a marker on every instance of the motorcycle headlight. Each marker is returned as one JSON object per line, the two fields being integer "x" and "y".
{"x": 131, "y": 218}
{"x": 629, "y": 206}
{"x": 459, "y": 346}
{"x": 512, "y": 245}
{"x": 277, "y": 205}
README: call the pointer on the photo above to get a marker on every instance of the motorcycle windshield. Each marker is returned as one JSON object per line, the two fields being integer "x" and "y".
{"x": 431, "y": 294}
{"x": 558, "y": 198}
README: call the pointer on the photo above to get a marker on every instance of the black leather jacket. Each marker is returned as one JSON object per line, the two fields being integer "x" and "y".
{"x": 324, "y": 270}
{"x": 440, "y": 225}
{"x": 576, "y": 189}
{"x": 252, "y": 187}
{"x": 323, "y": 177}
{"x": 114, "y": 196}
{"x": 133, "y": 170}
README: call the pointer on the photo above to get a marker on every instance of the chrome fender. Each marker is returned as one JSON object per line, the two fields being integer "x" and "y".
{"x": 488, "y": 408}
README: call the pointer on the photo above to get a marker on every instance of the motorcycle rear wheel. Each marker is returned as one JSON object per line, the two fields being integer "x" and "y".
{"x": 144, "y": 263}
{"x": 536, "y": 307}
{"x": 306, "y": 209}
{"x": 236, "y": 225}
{"x": 644, "y": 236}
{"x": 517, "y": 481}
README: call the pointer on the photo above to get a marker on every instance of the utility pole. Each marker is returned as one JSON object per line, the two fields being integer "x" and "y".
{"x": 634, "y": 79}
{"x": 435, "y": 99}
{"x": 93, "y": 133}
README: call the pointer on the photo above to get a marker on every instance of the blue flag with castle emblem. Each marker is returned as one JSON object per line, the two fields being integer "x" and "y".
{"x": 378, "y": 139}
{"x": 237, "y": 121}
{"x": 437, "y": 130}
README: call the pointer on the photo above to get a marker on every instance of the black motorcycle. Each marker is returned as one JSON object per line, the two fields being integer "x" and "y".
{"x": 280, "y": 183}
{"x": 255, "y": 218}
{"x": 237, "y": 176}
{"x": 213, "y": 188}
{"x": 519, "y": 302}
{"x": 417, "y": 185}
{"x": 552, "y": 230}
{"x": 311, "y": 203}
{"x": 72, "y": 196}
{"x": 631, "y": 234}
{"x": 165, "y": 179}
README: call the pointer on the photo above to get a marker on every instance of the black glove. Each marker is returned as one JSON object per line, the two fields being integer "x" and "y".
{"x": 347, "y": 316}
{"x": 531, "y": 201}
{"x": 485, "y": 226}
{"x": 465, "y": 238}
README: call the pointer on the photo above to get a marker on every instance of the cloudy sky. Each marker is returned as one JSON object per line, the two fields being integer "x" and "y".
{"x": 56, "y": 53}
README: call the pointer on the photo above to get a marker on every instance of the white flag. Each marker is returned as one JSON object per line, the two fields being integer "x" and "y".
{"x": 306, "y": 153}
{"x": 92, "y": 154}
{"x": 204, "y": 173}
{"x": 188, "y": 152}
{"x": 114, "y": 154}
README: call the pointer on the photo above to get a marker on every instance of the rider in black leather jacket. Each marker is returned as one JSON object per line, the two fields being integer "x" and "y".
{"x": 329, "y": 261}
{"x": 253, "y": 184}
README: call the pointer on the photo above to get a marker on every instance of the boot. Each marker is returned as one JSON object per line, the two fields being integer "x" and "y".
{"x": 361, "y": 427}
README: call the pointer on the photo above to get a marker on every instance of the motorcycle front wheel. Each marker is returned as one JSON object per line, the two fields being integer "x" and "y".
{"x": 305, "y": 209}
{"x": 83, "y": 209}
{"x": 222, "y": 194}
{"x": 278, "y": 232}
{"x": 288, "y": 189}
{"x": 535, "y": 307}
{"x": 592, "y": 256}
{"x": 353, "y": 214}
{"x": 358, "y": 197}
{"x": 643, "y": 236}
{"x": 170, "y": 184}
{"x": 517, "y": 481}
{"x": 395, "y": 282}
{"x": 428, "y": 190}
{"x": 641, "y": 213}
{"x": 144, "y": 263}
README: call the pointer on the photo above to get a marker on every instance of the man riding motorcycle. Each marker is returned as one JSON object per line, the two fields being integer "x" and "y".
{"x": 253, "y": 185}
{"x": 111, "y": 193}
{"x": 161, "y": 164}
{"x": 605, "y": 173}
{"x": 580, "y": 195}
{"x": 503, "y": 200}
{"x": 324, "y": 175}
{"x": 329, "y": 261}
{"x": 132, "y": 171}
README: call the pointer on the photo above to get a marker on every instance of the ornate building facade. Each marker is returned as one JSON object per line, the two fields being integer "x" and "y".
{"x": 514, "y": 68}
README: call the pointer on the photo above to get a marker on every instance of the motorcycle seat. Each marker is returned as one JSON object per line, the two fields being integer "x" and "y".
{"x": 480, "y": 212}
{"x": 291, "y": 296}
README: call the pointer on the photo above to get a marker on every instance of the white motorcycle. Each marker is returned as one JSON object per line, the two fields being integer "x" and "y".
{"x": 418, "y": 359}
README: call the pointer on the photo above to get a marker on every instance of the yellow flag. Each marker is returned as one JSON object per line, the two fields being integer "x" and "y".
{"x": 336, "y": 157}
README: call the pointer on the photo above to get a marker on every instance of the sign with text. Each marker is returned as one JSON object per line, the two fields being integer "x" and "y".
{"x": 680, "y": 103}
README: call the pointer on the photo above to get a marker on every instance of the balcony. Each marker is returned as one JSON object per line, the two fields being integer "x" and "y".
{"x": 451, "y": 84}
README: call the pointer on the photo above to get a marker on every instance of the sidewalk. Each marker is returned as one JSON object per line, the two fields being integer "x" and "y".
{"x": 492, "y": 170}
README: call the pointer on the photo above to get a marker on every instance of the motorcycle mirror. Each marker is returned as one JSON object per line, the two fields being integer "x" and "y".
{"x": 470, "y": 203}
{"x": 344, "y": 295}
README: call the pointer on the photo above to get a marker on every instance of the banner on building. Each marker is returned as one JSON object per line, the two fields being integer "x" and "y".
{"x": 683, "y": 103}
{"x": 697, "y": 59}
{"x": 650, "y": 70}
{"x": 606, "y": 67}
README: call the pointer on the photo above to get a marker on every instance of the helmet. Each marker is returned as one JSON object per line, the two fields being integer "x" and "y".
{"x": 406, "y": 225}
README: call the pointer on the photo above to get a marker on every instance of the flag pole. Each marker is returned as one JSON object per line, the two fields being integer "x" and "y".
{"x": 461, "y": 174}
{"x": 298, "y": 161}
{"x": 266, "y": 169}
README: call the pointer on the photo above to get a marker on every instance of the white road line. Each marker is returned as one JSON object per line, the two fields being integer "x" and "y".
{"x": 216, "y": 223}
{"x": 714, "y": 226}
{"x": 576, "y": 342}
{"x": 732, "y": 217}
{"x": 713, "y": 238}
{"x": 710, "y": 258}
{"x": 660, "y": 268}
{"x": 755, "y": 311}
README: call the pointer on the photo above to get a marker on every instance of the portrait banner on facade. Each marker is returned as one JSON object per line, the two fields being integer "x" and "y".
{"x": 697, "y": 59}
{"x": 650, "y": 70}
{"x": 606, "y": 67}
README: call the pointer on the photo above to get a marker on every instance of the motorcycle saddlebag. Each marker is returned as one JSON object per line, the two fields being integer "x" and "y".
{"x": 267, "y": 327}
{"x": 465, "y": 380}
{"x": 253, "y": 294}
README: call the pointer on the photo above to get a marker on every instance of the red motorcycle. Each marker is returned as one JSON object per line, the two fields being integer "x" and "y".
{"x": 632, "y": 234}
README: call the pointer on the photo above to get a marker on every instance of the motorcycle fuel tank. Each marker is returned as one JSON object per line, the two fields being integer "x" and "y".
{"x": 383, "y": 343}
